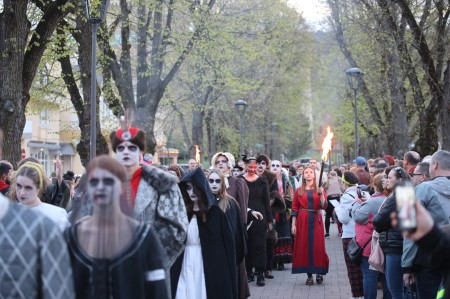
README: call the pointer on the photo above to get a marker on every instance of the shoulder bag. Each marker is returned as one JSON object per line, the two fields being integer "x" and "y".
{"x": 354, "y": 251}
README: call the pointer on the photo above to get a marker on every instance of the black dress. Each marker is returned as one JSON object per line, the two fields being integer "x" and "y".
{"x": 136, "y": 272}
{"x": 257, "y": 233}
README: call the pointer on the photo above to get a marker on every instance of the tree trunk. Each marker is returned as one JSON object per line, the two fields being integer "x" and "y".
{"x": 14, "y": 29}
{"x": 19, "y": 59}
{"x": 444, "y": 113}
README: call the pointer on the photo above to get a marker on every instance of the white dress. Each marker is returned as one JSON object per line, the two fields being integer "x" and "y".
{"x": 56, "y": 214}
{"x": 191, "y": 283}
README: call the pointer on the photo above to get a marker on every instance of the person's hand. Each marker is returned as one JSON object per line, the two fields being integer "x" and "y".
{"x": 408, "y": 278}
{"x": 59, "y": 167}
{"x": 424, "y": 223}
{"x": 257, "y": 215}
{"x": 320, "y": 190}
{"x": 293, "y": 230}
{"x": 364, "y": 196}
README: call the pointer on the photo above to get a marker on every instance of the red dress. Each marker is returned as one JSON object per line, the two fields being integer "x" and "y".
{"x": 310, "y": 255}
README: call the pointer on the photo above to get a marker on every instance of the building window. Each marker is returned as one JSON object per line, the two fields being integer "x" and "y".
{"x": 44, "y": 118}
{"x": 43, "y": 159}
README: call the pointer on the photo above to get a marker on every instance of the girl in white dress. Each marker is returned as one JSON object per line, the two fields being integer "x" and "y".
{"x": 30, "y": 181}
{"x": 207, "y": 268}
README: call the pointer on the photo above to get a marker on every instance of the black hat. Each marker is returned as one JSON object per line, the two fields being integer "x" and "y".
{"x": 238, "y": 167}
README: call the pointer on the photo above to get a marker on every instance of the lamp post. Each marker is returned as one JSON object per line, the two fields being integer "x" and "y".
{"x": 274, "y": 140}
{"x": 241, "y": 107}
{"x": 354, "y": 76}
{"x": 95, "y": 11}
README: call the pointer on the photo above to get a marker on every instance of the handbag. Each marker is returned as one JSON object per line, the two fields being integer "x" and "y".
{"x": 376, "y": 258}
{"x": 354, "y": 251}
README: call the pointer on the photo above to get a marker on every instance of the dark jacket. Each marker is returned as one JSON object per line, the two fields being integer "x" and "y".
{"x": 437, "y": 245}
{"x": 391, "y": 239}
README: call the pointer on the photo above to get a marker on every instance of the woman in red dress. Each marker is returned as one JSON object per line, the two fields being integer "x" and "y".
{"x": 307, "y": 227}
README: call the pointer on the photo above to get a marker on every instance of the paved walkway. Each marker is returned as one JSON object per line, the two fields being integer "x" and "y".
{"x": 287, "y": 286}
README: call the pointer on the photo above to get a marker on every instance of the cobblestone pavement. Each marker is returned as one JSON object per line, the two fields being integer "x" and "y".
{"x": 286, "y": 285}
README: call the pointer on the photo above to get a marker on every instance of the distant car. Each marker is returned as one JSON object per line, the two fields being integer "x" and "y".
{"x": 305, "y": 161}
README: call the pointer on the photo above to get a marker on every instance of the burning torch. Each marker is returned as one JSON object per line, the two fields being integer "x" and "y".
{"x": 197, "y": 154}
{"x": 326, "y": 146}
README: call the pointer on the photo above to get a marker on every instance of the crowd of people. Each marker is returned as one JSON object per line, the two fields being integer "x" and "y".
{"x": 126, "y": 229}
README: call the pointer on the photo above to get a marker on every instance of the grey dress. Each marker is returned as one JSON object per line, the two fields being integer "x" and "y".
{"x": 34, "y": 261}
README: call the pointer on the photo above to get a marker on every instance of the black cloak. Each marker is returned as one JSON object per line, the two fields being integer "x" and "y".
{"x": 217, "y": 242}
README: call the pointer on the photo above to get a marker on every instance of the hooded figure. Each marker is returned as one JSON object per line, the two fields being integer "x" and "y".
{"x": 207, "y": 267}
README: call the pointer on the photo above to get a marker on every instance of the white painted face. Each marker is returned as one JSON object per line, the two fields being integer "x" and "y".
{"x": 190, "y": 192}
{"x": 214, "y": 182}
{"x": 103, "y": 187}
{"x": 128, "y": 154}
{"x": 236, "y": 172}
{"x": 275, "y": 167}
{"x": 26, "y": 190}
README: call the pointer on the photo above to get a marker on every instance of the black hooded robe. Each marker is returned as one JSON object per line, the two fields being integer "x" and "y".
{"x": 217, "y": 244}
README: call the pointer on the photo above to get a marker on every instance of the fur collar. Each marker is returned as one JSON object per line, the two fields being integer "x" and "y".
{"x": 270, "y": 177}
{"x": 159, "y": 179}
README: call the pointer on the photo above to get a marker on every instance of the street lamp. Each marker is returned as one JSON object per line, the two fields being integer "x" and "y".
{"x": 241, "y": 107}
{"x": 274, "y": 140}
{"x": 95, "y": 11}
{"x": 354, "y": 76}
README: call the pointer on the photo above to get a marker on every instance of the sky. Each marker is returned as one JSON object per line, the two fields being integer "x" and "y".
{"x": 314, "y": 11}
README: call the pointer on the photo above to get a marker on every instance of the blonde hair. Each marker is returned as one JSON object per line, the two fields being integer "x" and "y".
{"x": 33, "y": 171}
{"x": 224, "y": 201}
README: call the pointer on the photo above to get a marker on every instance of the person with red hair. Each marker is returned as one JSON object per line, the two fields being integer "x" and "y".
{"x": 309, "y": 254}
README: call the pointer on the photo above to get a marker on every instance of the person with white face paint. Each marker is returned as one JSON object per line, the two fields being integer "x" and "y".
{"x": 283, "y": 247}
{"x": 209, "y": 246}
{"x": 231, "y": 209}
{"x": 153, "y": 193}
{"x": 29, "y": 183}
{"x": 235, "y": 187}
{"x": 113, "y": 255}
{"x": 259, "y": 200}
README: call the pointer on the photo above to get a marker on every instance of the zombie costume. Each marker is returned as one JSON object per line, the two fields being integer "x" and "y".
{"x": 283, "y": 248}
{"x": 136, "y": 272}
{"x": 158, "y": 201}
{"x": 257, "y": 233}
{"x": 208, "y": 264}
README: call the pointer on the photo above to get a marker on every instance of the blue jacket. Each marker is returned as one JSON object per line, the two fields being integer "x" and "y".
{"x": 432, "y": 194}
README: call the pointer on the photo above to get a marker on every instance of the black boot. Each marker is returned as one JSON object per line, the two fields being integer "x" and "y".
{"x": 250, "y": 276}
{"x": 260, "y": 281}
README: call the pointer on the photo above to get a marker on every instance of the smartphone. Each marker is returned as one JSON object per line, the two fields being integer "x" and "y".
{"x": 406, "y": 211}
{"x": 358, "y": 192}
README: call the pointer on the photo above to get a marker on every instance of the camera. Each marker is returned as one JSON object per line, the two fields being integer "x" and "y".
{"x": 406, "y": 211}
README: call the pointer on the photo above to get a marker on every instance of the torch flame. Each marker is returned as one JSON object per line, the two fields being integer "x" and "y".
{"x": 326, "y": 145}
{"x": 197, "y": 153}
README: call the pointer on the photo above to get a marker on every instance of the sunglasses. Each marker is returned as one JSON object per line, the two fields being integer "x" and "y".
{"x": 131, "y": 148}
{"x": 217, "y": 181}
{"x": 106, "y": 182}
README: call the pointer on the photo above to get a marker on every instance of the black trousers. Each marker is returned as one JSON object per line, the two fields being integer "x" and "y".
{"x": 329, "y": 212}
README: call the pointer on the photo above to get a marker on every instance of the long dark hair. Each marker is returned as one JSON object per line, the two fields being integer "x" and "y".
{"x": 202, "y": 202}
